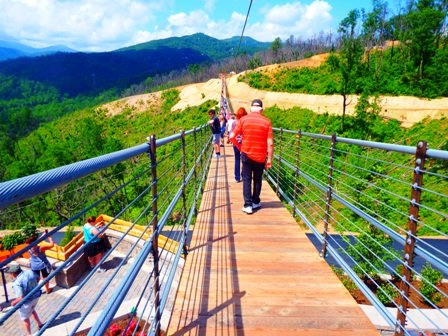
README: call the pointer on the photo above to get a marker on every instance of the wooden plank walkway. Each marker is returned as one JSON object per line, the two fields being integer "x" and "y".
{"x": 257, "y": 274}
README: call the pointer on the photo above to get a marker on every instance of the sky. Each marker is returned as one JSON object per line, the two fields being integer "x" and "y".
{"x": 105, "y": 25}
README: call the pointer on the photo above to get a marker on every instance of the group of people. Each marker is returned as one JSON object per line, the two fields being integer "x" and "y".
{"x": 253, "y": 145}
{"x": 24, "y": 281}
{"x": 27, "y": 280}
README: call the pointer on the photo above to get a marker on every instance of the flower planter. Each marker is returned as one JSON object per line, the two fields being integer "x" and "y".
{"x": 4, "y": 254}
{"x": 123, "y": 226}
{"x": 64, "y": 252}
{"x": 19, "y": 247}
{"x": 137, "y": 230}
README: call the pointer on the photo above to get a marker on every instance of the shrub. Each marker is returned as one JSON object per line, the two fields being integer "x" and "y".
{"x": 387, "y": 293}
{"x": 11, "y": 240}
{"x": 430, "y": 279}
{"x": 68, "y": 236}
{"x": 29, "y": 231}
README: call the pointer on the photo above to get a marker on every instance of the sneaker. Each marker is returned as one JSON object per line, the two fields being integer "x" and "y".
{"x": 216, "y": 155}
{"x": 101, "y": 270}
{"x": 238, "y": 181}
{"x": 247, "y": 210}
{"x": 256, "y": 206}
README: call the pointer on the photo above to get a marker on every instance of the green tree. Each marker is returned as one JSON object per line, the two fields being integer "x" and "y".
{"x": 276, "y": 47}
{"x": 254, "y": 62}
{"x": 373, "y": 37}
{"x": 425, "y": 24}
{"x": 351, "y": 56}
{"x": 193, "y": 70}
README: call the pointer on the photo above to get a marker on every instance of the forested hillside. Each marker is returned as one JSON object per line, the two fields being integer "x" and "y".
{"x": 38, "y": 90}
{"x": 212, "y": 47}
{"x": 89, "y": 133}
{"x": 52, "y": 121}
{"x": 74, "y": 74}
{"x": 402, "y": 55}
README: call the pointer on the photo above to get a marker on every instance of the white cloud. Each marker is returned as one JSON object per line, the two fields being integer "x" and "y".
{"x": 209, "y": 5}
{"x": 98, "y": 25}
{"x": 199, "y": 21}
{"x": 291, "y": 19}
{"x": 88, "y": 25}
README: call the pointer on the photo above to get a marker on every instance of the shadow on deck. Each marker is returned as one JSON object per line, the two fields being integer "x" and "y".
{"x": 257, "y": 274}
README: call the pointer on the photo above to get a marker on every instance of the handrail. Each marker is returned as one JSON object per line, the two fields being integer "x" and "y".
{"x": 360, "y": 208}
{"x": 25, "y": 188}
{"x": 431, "y": 153}
{"x": 21, "y": 189}
{"x": 352, "y": 208}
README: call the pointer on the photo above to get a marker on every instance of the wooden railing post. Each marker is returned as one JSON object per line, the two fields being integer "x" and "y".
{"x": 409, "y": 248}
{"x": 323, "y": 253}
{"x": 155, "y": 238}
{"x": 279, "y": 161}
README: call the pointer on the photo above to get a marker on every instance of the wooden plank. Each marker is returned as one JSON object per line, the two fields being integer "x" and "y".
{"x": 257, "y": 274}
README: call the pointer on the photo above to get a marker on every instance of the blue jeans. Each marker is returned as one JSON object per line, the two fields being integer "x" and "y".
{"x": 251, "y": 170}
{"x": 237, "y": 163}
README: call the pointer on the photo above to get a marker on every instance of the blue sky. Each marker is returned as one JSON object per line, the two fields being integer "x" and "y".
{"x": 104, "y": 25}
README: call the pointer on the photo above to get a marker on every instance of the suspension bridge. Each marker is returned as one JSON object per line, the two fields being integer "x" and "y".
{"x": 232, "y": 273}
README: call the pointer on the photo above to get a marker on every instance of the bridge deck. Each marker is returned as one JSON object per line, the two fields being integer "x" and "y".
{"x": 257, "y": 274}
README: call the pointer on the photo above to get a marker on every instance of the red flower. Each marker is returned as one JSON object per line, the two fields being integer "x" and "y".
{"x": 114, "y": 330}
{"x": 132, "y": 326}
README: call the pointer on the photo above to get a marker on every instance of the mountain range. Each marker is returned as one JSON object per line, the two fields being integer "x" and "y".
{"x": 77, "y": 73}
{"x": 11, "y": 50}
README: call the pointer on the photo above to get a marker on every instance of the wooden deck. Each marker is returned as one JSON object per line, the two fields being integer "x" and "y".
{"x": 257, "y": 274}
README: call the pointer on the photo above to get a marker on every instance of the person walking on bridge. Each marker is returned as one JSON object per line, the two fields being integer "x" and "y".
{"x": 39, "y": 262}
{"x": 24, "y": 283}
{"x": 216, "y": 132}
{"x": 257, "y": 149}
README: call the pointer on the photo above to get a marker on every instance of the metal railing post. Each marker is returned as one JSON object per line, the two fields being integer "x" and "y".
{"x": 323, "y": 253}
{"x": 184, "y": 195}
{"x": 296, "y": 175}
{"x": 155, "y": 239}
{"x": 409, "y": 247}
{"x": 279, "y": 161}
{"x": 195, "y": 165}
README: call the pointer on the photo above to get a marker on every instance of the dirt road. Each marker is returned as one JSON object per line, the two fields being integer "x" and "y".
{"x": 408, "y": 110}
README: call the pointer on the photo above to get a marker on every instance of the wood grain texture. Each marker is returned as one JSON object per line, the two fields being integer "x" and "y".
{"x": 257, "y": 274}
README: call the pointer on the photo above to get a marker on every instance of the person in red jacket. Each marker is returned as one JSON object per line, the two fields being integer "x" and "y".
{"x": 257, "y": 149}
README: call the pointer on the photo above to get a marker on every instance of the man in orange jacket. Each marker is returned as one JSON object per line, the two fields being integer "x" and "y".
{"x": 257, "y": 149}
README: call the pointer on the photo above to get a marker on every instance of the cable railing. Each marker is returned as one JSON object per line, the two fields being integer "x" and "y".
{"x": 377, "y": 213}
{"x": 350, "y": 194}
{"x": 160, "y": 190}
{"x": 373, "y": 210}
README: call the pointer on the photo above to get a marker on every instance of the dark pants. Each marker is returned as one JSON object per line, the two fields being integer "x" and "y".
{"x": 251, "y": 170}
{"x": 237, "y": 163}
